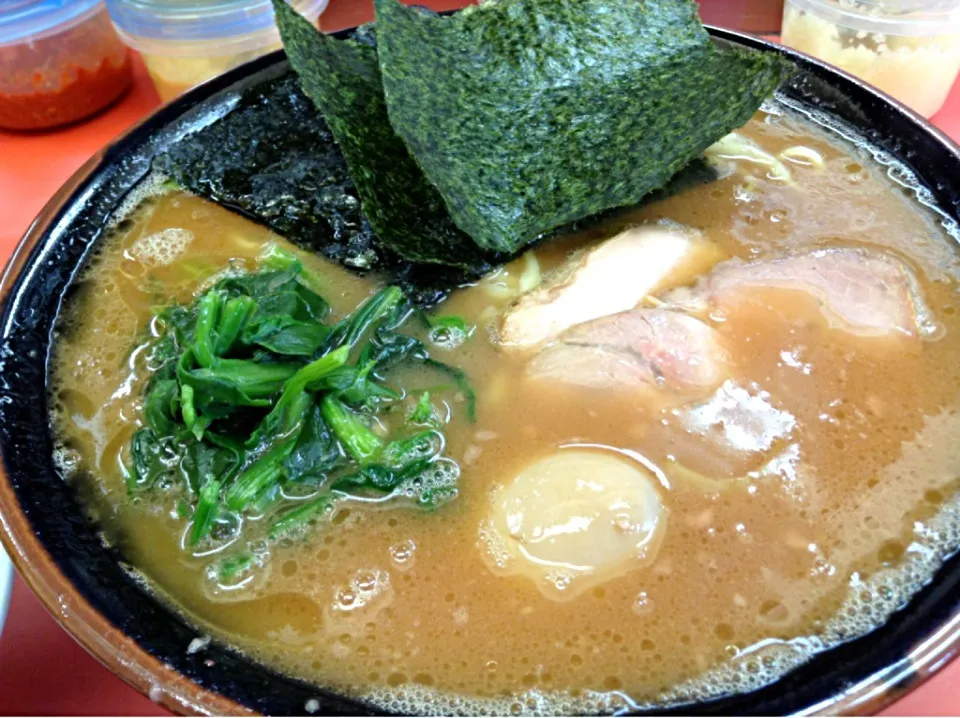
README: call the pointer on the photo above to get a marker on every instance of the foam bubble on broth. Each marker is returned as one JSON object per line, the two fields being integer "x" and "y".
{"x": 161, "y": 248}
{"x": 870, "y": 602}
{"x": 153, "y": 185}
{"x": 423, "y": 700}
{"x": 896, "y": 170}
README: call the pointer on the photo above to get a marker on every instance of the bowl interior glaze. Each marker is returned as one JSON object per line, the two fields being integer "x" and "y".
{"x": 85, "y": 584}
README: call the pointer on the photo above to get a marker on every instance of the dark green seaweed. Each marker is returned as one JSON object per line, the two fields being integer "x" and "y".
{"x": 273, "y": 159}
{"x": 342, "y": 77}
{"x": 530, "y": 114}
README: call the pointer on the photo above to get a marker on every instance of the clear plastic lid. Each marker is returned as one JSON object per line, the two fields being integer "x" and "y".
{"x": 890, "y": 17}
{"x": 22, "y": 20}
{"x": 189, "y": 20}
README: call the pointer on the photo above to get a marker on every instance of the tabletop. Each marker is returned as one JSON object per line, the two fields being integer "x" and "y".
{"x": 42, "y": 670}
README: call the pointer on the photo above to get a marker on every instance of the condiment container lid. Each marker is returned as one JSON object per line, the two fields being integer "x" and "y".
{"x": 188, "y": 20}
{"x": 22, "y": 20}
{"x": 916, "y": 18}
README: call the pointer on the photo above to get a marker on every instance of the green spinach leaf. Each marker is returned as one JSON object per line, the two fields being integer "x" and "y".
{"x": 316, "y": 453}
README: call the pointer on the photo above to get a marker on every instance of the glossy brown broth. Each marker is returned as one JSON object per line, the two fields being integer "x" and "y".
{"x": 395, "y": 604}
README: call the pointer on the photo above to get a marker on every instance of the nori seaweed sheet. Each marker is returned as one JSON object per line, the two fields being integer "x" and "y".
{"x": 530, "y": 114}
{"x": 274, "y": 160}
{"x": 342, "y": 77}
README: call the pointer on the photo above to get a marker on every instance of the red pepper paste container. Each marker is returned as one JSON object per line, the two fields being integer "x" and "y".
{"x": 60, "y": 61}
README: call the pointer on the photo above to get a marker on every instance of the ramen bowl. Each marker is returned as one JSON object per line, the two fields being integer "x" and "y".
{"x": 87, "y": 586}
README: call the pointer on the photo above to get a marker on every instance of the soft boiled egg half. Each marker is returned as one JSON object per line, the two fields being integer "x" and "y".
{"x": 572, "y": 520}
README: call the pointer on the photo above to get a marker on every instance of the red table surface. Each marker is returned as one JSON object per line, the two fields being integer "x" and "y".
{"x": 42, "y": 670}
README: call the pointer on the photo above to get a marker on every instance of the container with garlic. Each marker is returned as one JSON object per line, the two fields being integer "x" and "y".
{"x": 186, "y": 42}
{"x": 910, "y": 49}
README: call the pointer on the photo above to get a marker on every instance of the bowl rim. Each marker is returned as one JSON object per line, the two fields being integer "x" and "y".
{"x": 121, "y": 655}
{"x": 163, "y": 684}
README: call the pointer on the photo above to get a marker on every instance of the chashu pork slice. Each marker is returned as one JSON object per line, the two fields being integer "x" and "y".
{"x": 864, "y": 293}
{"x": 636, "y": 349}
{"x": 613, "y": 277}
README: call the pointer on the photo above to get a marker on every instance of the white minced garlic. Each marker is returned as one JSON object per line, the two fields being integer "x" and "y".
{"x": 917, "y": 70}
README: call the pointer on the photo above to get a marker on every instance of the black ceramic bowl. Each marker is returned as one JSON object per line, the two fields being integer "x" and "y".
{"x": 84, "y": 585}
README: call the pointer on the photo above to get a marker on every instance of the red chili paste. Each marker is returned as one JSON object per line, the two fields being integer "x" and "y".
{"x": 79, "y": 93}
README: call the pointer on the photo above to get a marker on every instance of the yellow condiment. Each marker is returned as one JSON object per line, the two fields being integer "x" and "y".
{"x": 917, "y": 70}
{"x": 174, "y": 75}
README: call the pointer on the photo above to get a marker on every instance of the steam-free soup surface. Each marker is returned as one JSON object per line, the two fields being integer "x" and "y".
{"x": 822, "y": 454}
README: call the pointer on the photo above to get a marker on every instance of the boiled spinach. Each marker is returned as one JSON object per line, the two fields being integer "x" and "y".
{"x": 254, "y": 389}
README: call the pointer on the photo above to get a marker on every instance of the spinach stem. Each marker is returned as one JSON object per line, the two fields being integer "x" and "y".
{"x": 349, "y": 330}
{"x": 359, "y": 441}
{"x": 187, "y": 407}
{"x": 236, "y": 311}
{"x": 280, "y": 259}
{"x": 295, "y": 401}
{"x": 258, "y": 477}
{"x": 208, "y": 311}
{"x": 206, "y": 512}
{"x": 300, "y": 515}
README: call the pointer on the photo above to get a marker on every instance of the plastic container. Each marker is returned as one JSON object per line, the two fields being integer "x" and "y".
{"x": 910, "y": 49}
{"x": 184, "y": 42}
{"x": 60, "y": 61}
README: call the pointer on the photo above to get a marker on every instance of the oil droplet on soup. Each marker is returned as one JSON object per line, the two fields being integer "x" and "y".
{"x": 765, "y": 495}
